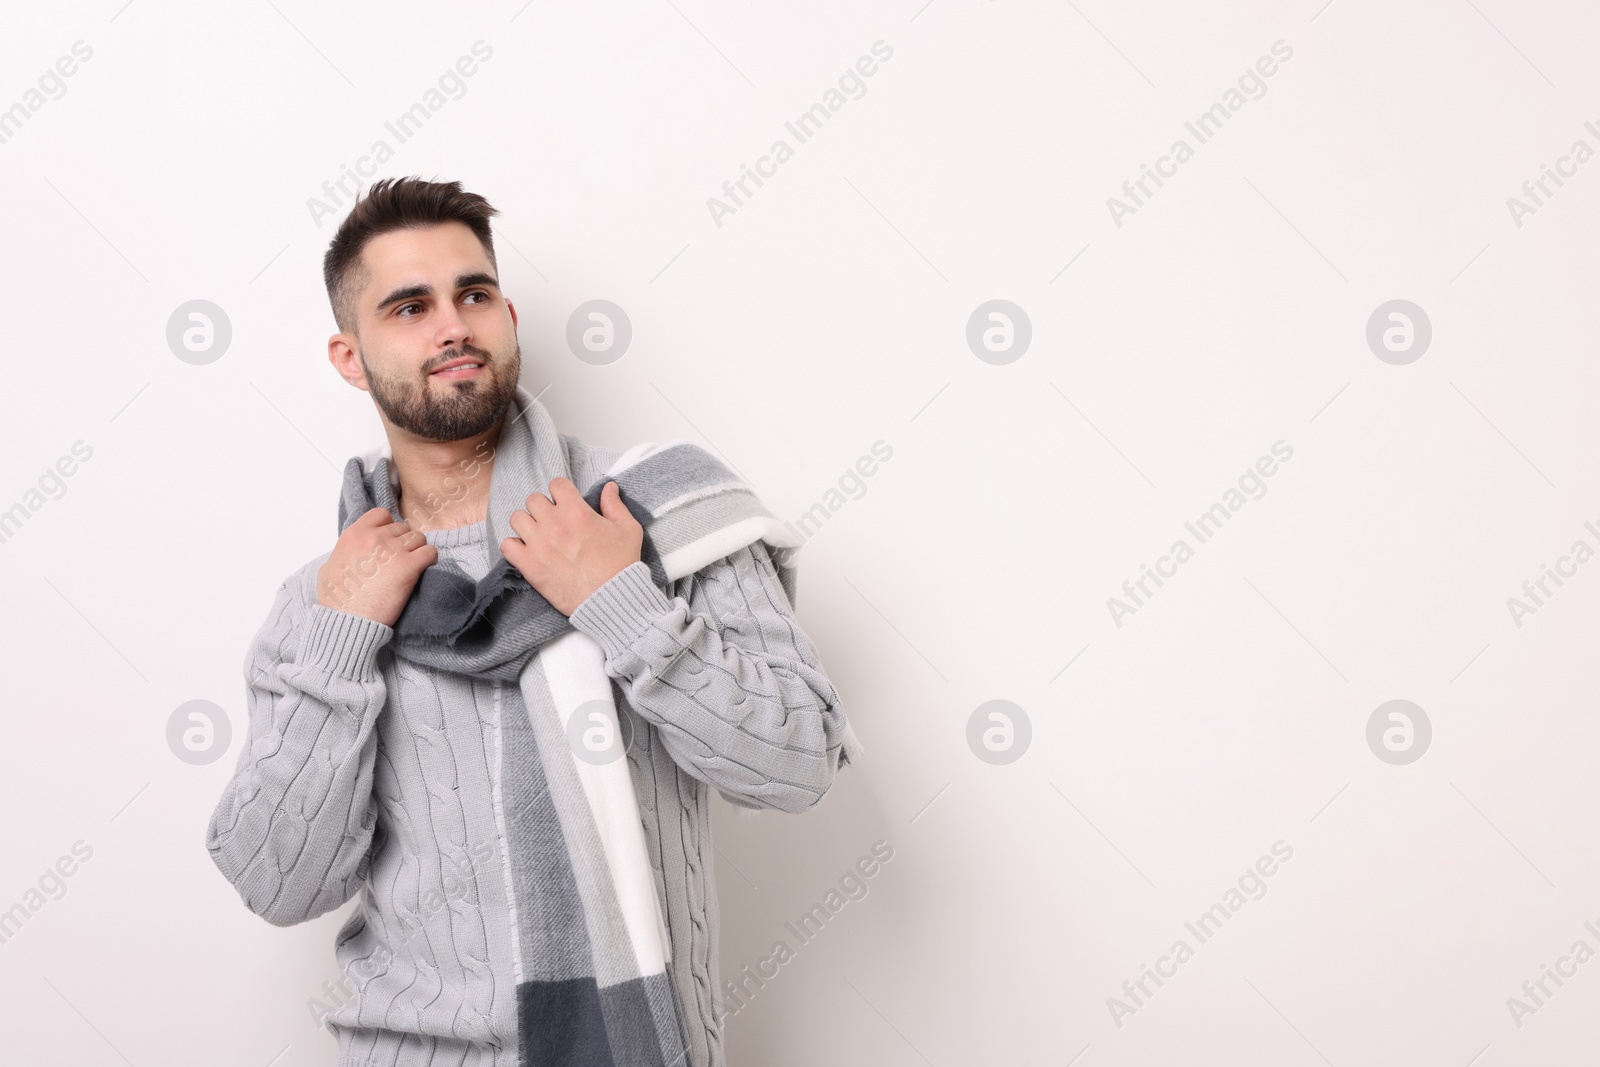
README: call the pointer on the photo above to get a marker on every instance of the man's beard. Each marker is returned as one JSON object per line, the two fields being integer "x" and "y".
{"x": 458, "y": 410}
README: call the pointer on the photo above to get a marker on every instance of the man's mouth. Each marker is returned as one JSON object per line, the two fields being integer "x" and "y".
{"x": 458, "y": 368}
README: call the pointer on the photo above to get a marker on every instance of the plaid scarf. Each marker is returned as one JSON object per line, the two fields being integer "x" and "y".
{"x": 591, "y": 955}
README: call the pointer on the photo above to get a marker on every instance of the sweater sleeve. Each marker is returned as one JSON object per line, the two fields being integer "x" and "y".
{"x": 295, "y": 822}
{"x": 727, "y": 677}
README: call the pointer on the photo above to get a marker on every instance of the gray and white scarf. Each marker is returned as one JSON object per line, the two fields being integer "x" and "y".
{"x": 596, "y": 992}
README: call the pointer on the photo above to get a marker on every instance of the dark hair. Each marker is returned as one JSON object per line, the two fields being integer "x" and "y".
{"x": 395, "y": 204}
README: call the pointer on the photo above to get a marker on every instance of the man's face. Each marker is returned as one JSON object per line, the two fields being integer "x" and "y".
{"x": 432, "y": 298}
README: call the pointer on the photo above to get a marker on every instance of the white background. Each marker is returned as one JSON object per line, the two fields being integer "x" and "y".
{"x": 827, "y": 313}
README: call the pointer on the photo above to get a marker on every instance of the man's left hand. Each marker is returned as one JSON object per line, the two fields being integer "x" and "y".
{"x": 566, "y": 550}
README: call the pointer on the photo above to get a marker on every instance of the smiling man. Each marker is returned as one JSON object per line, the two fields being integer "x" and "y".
{"x": 497, "y": 708}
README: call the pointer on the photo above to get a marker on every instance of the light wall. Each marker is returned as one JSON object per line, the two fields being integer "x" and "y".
{"x": 1176, "y": 338}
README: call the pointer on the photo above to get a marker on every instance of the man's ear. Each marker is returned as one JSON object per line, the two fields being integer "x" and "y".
{"x": 346, "y": 362}
{"x": 513, "y": 309}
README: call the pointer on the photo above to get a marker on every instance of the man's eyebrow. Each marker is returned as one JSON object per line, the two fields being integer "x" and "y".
{"x": 463, "y": 281}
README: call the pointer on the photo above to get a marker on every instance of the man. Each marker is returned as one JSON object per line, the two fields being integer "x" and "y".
{"x": 407, "y": 734}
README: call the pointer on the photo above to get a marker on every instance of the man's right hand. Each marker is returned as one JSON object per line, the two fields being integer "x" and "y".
{"x": 374, "y": 566}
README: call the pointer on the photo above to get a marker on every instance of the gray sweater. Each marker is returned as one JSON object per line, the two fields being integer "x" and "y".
{"x": 358, "y": 764}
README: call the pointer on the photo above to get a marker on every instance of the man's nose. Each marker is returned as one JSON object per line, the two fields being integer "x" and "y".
{"x": 453, "y": 329}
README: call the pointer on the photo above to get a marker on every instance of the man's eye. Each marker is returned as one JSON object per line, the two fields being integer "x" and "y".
{"x": 401, "y": 310}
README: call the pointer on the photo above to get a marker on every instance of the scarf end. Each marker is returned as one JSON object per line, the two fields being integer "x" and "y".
{"x": 850, "y": 747}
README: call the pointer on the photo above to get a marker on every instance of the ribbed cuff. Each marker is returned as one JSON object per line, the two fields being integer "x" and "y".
{"x": 343, "y": 643}
{"x": 621, "y": 610}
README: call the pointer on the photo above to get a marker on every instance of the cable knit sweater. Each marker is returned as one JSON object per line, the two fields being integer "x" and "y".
{"x": 359, "y": 764}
